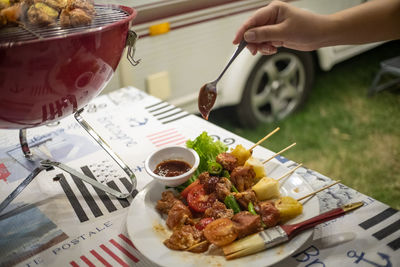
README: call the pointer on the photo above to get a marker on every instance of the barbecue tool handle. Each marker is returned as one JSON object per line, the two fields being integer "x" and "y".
{"x": 294, "y": 229}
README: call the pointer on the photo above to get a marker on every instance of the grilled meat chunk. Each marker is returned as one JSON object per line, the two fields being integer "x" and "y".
{"x": 246, "y": 223}
{"x": 218, "y": 210}
{"x": 245, "y": 197}
{"x": 55, "y": 4}
{"x": 186, "y": 237}
{"x": 227, "y": 160}
{"x": 243, "y": 177}
{"x": 75, "y": 17}
{"x": 77, "y": 13}
{"x": 85, "y": 5}
{"x": 12, "y": 14}
{"x": 208, "y": 181}
{"x": 223, "y": 188}
{"x": 268, "y": 212}
{"x": 166, "y": 202}
{"x": 42, "y": 14}
{"x": 178, "y": 215}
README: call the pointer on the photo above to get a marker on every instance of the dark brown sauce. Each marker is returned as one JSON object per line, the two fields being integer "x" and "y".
{"x": 206, "y": 101}
{"x": 170, "y": 168}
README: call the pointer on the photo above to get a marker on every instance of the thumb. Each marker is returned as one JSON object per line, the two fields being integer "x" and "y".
{"x": 264, "y": 34}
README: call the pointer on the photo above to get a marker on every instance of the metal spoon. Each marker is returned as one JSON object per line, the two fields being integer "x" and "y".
{"x": 208, "y": 93}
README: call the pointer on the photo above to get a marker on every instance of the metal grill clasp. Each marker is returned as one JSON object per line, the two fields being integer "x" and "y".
{"x": 131, "y": 43}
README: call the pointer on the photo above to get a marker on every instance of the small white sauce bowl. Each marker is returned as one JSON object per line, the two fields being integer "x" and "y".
{"x": 172, "y": 153}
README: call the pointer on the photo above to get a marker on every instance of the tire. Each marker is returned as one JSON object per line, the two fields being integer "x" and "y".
{"x": 277, "y": 86}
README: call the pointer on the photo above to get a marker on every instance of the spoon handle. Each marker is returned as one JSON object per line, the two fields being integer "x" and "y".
{"x": 239, "y": 49}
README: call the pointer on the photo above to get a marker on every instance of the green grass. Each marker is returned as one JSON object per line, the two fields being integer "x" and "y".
{"x": 340, "y": 132}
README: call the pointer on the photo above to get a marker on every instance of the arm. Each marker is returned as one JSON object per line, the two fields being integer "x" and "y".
{"x": 377, "y": 20}
{"x": 281, "y": 24}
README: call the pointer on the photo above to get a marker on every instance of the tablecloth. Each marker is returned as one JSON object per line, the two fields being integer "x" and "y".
{"x": 60, "y": 221}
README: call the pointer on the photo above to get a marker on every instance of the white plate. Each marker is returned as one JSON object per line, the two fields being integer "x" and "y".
{"x": 147, "y": 228}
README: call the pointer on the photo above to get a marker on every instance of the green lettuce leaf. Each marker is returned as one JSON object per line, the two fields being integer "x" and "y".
{"x": 208, "y": 149}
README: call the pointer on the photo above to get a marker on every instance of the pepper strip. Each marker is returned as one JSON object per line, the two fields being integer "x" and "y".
{"x": 231, "y": 203}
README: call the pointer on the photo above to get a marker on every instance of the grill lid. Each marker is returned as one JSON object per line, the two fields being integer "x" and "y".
{"x": 104, "y": 15}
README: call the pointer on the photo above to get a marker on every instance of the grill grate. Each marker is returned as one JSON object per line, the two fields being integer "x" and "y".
{"x": 104, "y": 15}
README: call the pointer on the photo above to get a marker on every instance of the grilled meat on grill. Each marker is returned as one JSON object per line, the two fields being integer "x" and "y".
{"x": 12, "y": 14}
{"x": 58, "y": 5}
{"x": 85, "y": 5}
{"x": 74, "y": 17}
{"x": 41, "y": 14}
{"x": 76, "y": 13}
{"x": 46, "y": 12}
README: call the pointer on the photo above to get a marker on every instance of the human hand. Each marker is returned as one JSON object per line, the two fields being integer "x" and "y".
{"x": 281, "y": 24}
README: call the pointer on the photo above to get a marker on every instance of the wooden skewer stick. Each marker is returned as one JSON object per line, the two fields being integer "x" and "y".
{"x": 289, "y": 172}
{"x": 197, "y": 245}
{"x": 319, "y": 190}
{"x": 264, "y": 138}
{"x": 276, "y": 154}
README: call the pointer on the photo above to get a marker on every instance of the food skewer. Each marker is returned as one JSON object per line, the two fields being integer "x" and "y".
{"x": 268, "y": 188}
{"x": 299, "y": 199}
{"x": 280, "y": 234}
{"x": 197, "y": 245}
{"x": 285, "y": 207}
{"x": 264, "y": 138}
{"x": 242, "y": 154}
{"x": 278, "y": 153}
{"x": 289, "y": 172}
{"x": 319, "y": 190}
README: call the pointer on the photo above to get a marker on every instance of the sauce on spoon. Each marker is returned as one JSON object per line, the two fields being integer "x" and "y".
{"x": 206, "y": 101}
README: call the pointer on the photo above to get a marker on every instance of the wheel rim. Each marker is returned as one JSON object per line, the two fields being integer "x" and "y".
{"x": 277, "y": 87}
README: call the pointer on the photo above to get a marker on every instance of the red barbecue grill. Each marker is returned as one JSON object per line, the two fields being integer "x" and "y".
{"x": 47, "y": 73}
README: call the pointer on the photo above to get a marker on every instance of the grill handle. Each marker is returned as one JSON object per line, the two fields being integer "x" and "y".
{"x": 131, "y": 43}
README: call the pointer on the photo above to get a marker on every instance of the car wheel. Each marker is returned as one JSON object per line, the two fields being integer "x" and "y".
{"x": 276, "y": 87}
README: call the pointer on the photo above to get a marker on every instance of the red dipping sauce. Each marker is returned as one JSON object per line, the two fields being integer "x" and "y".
{"x": 171, "y": 168}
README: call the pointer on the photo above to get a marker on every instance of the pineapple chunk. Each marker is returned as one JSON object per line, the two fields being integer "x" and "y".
{"x": 241, "y": 153}
{"x": 257, "y": 166}
{"x": 41, "y": 14}
{"x": 4, "y": 4}
{"x": 288, "y": 208}
{"x": 266, "y": 188}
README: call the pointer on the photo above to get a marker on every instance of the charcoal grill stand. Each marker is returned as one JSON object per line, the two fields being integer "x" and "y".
{"x": 46, "y": 164}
